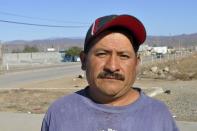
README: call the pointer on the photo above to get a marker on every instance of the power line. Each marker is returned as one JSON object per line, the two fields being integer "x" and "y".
{"x": 39, "y": 18}
{"x": 43, "y": 25}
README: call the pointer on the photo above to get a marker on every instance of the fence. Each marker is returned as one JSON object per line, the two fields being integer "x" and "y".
{"x": 26, "y": 60}
{"x": 147, "y": 60}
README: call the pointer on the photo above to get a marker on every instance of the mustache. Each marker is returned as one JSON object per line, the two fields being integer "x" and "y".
{"x": 111, "y": 75}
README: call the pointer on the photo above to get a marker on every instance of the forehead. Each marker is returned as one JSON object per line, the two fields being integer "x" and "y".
{"x": 113, "y": 40}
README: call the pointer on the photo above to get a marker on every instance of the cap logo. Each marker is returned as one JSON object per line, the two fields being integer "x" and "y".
{"x": 92, "y": 31}
{"x": 95, "y": 27}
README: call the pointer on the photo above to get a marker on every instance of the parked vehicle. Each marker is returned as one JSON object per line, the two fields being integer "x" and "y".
{"x": 68, "y": 58}
{"x": 159, "y": 55}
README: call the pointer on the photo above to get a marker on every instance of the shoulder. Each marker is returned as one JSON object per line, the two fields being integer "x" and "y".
{"x": 66, "y": 101}
{"x": 154, "y": 106}
{"x": 152, "y": 102}
{"x": 162, "y": 113}
{"x": 63, "y": 106}
{"x": 159, "y": 111}
{"x": 157, "y": 108}
{"x": 62, "y": 109}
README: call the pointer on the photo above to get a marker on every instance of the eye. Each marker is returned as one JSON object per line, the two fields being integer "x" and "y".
{"x": 124, "y": 56}
{"x": 101, "y": 54}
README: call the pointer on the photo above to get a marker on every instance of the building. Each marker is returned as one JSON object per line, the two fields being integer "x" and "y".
{"x": 51, "y": 50}
{"x": 144, "y": 50}
{"x": 161, "y": 50}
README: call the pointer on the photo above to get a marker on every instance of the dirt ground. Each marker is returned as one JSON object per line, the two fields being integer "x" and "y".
{"x": 36, "y": 97}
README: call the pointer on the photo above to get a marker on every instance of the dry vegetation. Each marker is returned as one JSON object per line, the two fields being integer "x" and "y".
{"x": 35, "y": 97}
{"x": 29, "y": 101}
{"x": 182, "y": 69}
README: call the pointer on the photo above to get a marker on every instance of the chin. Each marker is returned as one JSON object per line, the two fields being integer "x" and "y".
{"x": 110, "y": 90}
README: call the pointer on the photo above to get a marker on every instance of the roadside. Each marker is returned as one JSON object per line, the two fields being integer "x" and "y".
{"x": 20, "y": 121}
{"x": 35, "y": 97}
{"x": 19, "y": 68}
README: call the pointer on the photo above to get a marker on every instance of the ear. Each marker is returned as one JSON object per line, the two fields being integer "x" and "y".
{"x": 83, "y": 60}
{"x": 138, "y": 63}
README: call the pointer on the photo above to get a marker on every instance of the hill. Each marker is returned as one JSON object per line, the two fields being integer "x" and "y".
{"x": 58, "y": 43}
{"x": 184, "y": 40}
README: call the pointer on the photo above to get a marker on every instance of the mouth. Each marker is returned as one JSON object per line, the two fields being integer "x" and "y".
{"x": 110, "y": 78}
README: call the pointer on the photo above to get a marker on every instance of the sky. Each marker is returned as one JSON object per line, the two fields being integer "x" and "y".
{"x": 160, "y": 17}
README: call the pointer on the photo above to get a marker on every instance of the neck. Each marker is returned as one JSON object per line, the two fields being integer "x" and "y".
{"x": 129, "y": 97}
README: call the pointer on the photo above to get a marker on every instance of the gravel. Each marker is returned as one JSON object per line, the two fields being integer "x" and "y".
{"x": 182, "y": 102}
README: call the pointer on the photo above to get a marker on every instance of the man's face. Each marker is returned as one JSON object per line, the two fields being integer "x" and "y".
{"x": 111, "y": 65}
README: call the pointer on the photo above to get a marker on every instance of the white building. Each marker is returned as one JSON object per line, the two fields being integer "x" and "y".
{"x": 144, "y": 50}
{"x": 50, "y": 49}
{"x": 160, "y": 50}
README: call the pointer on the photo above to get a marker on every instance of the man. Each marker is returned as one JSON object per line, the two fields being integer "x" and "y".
{"x": 109, "y": 102}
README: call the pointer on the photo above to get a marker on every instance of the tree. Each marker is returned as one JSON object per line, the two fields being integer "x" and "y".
{"x": 73, "y": 51}
{"x": 29, "y": 49}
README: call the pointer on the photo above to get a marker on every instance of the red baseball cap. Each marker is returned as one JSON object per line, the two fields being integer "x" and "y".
{"x": 128, "y": 22}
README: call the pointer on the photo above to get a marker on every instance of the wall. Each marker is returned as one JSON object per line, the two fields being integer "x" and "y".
{"x": 32, "y": 58}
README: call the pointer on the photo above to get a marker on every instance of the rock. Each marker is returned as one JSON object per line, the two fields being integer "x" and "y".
{"x": 166, "y": 69}
{"x": 81, "y": 76}
{"x": 194, "y": 76}
{"x": 160, "y": 72}
{"x": 154, "y": 69}
{"x": 145, "y": 72}
{"x": 157, "y": 90}
{"x": 174, "y": 116}
{"x": 191, "y": 74}
{"x": 162, "y": 76}
{"x": 174, "y": 71}
{"x": 138, "y": 78}
{"x": 167, "y": 92}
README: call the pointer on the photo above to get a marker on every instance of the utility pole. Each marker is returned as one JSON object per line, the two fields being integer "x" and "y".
{"x": 180, "y": 48}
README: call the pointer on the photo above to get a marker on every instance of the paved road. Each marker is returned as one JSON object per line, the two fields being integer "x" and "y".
{"x": 187, "y": 126}
{"x": 32, "y": 122}
{"x": 9, "y": 79}
{"x": 71, "y": 69}
{"x": 20, "y": 121}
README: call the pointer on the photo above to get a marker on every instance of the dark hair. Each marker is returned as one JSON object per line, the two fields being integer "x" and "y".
{"x": 118, "y": 29}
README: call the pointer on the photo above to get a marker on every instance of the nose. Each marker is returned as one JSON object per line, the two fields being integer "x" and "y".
{"x": 112, "y": 64}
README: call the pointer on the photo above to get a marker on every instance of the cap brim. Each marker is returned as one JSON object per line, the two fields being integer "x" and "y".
{"x": 128, "y": 22}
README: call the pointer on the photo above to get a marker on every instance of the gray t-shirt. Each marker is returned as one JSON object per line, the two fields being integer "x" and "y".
{"x": 76, "y": 112}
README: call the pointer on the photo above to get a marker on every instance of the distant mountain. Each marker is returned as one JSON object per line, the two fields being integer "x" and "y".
{"x": 60, "y": 44}
{"x": 184, "y": 40}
